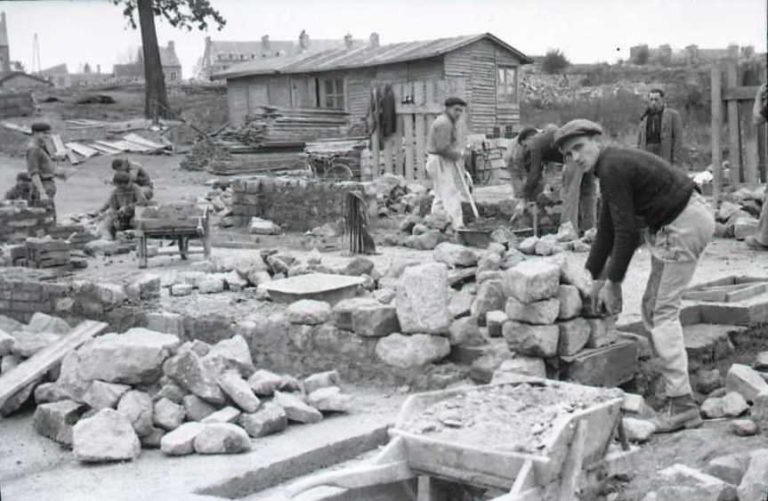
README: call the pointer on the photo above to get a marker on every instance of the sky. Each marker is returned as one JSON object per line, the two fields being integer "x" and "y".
{"x": 95, "y": 32}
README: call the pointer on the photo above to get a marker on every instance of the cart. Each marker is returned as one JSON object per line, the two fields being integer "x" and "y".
{"x": 578, "y": 445}
{"x": 178, "y": 222}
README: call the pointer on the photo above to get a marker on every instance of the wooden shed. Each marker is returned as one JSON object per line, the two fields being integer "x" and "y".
{"x": 482, "y": 69}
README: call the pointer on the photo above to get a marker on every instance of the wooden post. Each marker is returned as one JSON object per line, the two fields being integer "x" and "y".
{"x": 399, "y": 154}
{"x": 751, "y": 156}
{"x": 421, "y": 143}
{"x": 389, "y": 155}
{"x": 734, "y": 139}
{"x": 408, "y": 145}
{"x": 716, "y": 128}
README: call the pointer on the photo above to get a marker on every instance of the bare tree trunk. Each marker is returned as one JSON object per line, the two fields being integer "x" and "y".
{"x": 156, "y": 103}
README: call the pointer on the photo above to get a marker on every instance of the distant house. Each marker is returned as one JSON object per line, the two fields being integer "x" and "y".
{"x": 483, "y": 69}
{"x": 58, "y": 75}
{"x": 18, "y": 81}
{"x": 220, "y": 55}
{"x": 135, "y": 71}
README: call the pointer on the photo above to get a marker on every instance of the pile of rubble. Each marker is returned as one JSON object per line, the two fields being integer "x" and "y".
{"x": 739, "y": 212}
{"x": 120, "y": 392}
{"x": 202, "y": 154}
{"x": 45, "y": 252}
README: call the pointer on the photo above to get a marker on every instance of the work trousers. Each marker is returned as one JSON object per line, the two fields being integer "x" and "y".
{"x": 579, "y": 195}
{"x": 675, "y": 252}
{"x": 49, "y": 185}
{"x": 448, "y": 188}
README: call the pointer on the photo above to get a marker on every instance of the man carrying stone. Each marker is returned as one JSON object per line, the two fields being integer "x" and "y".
{"x": 579, "y": 194}
{"x": 41, "y": 168}
{"x": 635, "y": 185}
{"x": 444, "y": 165}
{"x": 661, "y": 130}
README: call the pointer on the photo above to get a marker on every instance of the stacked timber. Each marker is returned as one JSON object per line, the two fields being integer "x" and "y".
{"x": 252, "y": 163}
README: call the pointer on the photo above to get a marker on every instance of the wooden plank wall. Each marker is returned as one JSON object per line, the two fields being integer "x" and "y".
{"x": 404, "y": 153}
{"x": 747, "y": 144}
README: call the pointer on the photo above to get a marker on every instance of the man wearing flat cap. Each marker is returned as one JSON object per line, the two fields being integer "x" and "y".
{"x": 637, "y": 185}
{"x": 41, "y": 169}
{"x": 444, "y": 164}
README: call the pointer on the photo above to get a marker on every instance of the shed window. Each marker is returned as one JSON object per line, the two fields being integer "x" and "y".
{"x": 330, "y": 93}
{"x": 506, "y": 85}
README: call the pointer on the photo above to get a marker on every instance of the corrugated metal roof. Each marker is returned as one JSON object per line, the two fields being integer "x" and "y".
{"x": 337, "y": 59}
{"x": 258, "y": 49}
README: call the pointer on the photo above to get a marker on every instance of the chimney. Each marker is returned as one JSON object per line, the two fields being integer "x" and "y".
{"x": 303, "y": 40}
{"x": 348, "y": 41}
{"x": 374, "y": 40}
{"x": 265, "y": 44}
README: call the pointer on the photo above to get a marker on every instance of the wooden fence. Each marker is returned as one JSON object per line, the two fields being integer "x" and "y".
{"x": 418, "y": 104}
{"x": 733, "y": 97}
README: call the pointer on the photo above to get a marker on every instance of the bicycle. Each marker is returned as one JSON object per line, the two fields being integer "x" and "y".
{"x": 331, "y": 166}
{"x": 482, "y": 170}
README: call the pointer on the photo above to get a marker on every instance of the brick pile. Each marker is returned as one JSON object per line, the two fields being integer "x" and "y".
{"x": 18, "y": 221}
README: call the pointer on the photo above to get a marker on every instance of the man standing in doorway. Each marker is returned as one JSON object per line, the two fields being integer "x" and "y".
{"x": 679, "y": 224}
{"x": 41, "y": 169}
{"x": 661, "y": 130}
{"x": 444, "y": 165}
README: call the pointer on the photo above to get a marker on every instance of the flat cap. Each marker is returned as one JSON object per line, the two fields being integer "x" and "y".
{"x": 453, "y": 101}
{"x": 40, "y": 127}
{"x": 576, "y": 128}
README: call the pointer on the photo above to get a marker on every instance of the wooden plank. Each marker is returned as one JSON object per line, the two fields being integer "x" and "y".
{"x": 571, "y": 472}
{"x": 104, "y": 149}
{"x": 750, "y": 142}
{"x": 82, "y": 149}
{"x": 59, "y": 151}
{"x": 399, "y": 153}
{"x": 28, "y": 371}
{"x": 18, "y": 128}
{"x": 409, "y": 143}
{"x": 421, "y": 143}
{"x": 716, "y": 128}
{"x": 734, "y": 141}
{"x": 743, "y": 93}
{"x": 72, "y": 157}
{"x": 137, "y": 139}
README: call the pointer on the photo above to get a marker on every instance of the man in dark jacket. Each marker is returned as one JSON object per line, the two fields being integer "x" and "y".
{"x": 679, "y": 224}
{"x": 535, "y": 150}
{"x": 661, "y": 130}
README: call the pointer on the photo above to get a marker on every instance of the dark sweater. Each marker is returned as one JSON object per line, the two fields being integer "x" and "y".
{"x": 539, "y": 150}
{"x": 633, "y": 184}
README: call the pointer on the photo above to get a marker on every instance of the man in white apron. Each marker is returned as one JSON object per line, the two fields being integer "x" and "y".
{"x": 444, "y": 163}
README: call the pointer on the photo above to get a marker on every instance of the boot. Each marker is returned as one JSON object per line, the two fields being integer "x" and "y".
{"x": 677, "y": 413}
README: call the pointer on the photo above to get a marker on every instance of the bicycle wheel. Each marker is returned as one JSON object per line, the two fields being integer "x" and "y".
{"x": 339, "y": 172}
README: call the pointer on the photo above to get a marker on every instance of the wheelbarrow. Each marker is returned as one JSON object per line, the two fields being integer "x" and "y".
{"x": 577, "y": 442}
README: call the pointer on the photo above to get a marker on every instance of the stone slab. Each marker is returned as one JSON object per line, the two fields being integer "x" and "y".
{"x": 707, "y": 343}
{"x": 608, "y": 366}
{"x": 318, "y": 286}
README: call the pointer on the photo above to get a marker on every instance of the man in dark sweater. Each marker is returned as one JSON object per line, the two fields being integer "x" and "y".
{"x": 678, "y": 224}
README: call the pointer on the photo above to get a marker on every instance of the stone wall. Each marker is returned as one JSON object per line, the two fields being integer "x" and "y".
{"x": 17, "y": 222}
{"x": 294, "y": 204}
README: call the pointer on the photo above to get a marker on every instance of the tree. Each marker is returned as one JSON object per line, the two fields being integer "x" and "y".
{"x": 554, "y": 62}
{"x": 185, "y": 14}
{"x": 642, "y": 55}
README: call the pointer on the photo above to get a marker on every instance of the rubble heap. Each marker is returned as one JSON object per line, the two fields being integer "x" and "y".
{"x": 142, "y": 388}
{"x": 739, "y": 212}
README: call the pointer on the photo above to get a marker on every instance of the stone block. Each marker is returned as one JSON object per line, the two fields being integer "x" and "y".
{"x": 269, "y": 419}
{"x": 494, "y": 321}
{"x": 181, "y": 290}
{"x": 532, "y": 280}
{"x": 531, "y": 340}
{"x": 375, "y": 320}
{"x": 490, "y": 297}
{"x": 759, "y": 411}
{"x": 42, "y": 322}
{"x": 574, "y": 335}
{"x": 706, "y": 381}
{"x": 422, "y": 299}
{"x": 264, "y": 382}
{"x": 106, "y": 436}
{"x": 168, "y": 415}
{"x": 465, "y": 331}
{"x": 239, "y": 391}
{"x": 342, "y": 311}
{"x": 460, "y": 304}
{"x": 231, "y": 354}
{"x": 638, "y": 430}
{"x": 729, "y": 468}
{"x": 319, "y": 380}
{"x": 683, "y": 482}
{"x": 55, "y": 420}
{"x": 7, "y": 343}
{"x": 609, "y": 366}
{"x": 309, "y": 312}
{"x": 225, "y": 415}
{"x": 602, "y": 332}
{"x": 754, "y": 484}
{"x": 745, "y": 380}
{"x": 543, "y": 312}
{"x": 188, "y": 370}
{"x": 519, "y": 365}
{"x": 570, "y": 302}
{"x": 221, "y": 438}
{"x": 101, "y": 395}
{"x": 181, "y": 441}
{"x": 138, "y": 408}
{"x": 296, "y": 409}
{"x": 166, "y": 322}
{"x": 454, "y": 255}
{"x": 330, "y": 399}
{"x": 412, "y": 351}
{"x": 196, "y": 408}
{"x": 743, "y": 427}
